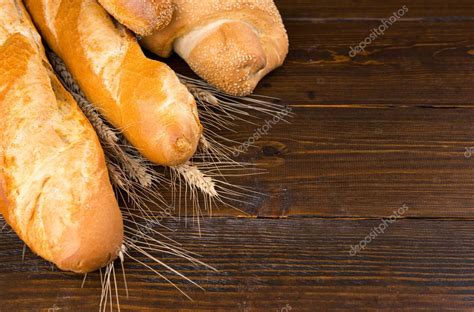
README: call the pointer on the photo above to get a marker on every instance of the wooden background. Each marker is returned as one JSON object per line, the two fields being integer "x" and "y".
{"x": 371, "y": 133}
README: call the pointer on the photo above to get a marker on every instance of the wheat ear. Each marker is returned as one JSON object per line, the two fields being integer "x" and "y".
{"x": 4, "y": 228}
{"x": 219, "y": 106}
{"x": 196, "y": 179}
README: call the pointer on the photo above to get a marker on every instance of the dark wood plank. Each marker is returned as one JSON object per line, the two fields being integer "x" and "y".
{"x": 267, "y": 264}
{"x": 344, "y": 9}
{"x": 356, "y": 162}
{"x": 415, "y": 63}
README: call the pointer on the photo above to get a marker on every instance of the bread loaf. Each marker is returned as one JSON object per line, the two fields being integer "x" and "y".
{"x": 54, "y": 185}
{"x": 143, "y": 16}
{"x": 232, "y": 44}
{"x": 141, "y": 97}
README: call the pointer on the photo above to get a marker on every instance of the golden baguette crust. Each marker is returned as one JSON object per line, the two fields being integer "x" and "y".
{"x": 54, "y": 185}
{"x": 140, "y": 16}
{"x": 232, "y": 44}
{"x": 141, "y": 97}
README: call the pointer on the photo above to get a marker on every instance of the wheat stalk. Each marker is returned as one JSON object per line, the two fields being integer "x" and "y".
{"x": 3, "y": 225}
{"x": 230, "y": 107}
{"x": 196, "y": 179}
{"x": 145, "y": 245}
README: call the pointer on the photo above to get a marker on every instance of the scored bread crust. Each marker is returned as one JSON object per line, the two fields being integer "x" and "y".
{"x": 141, "y": 97}
{"x": 54, "y": 185}
{"x": 232, "y": 44}
{"x": 140, "y": 16}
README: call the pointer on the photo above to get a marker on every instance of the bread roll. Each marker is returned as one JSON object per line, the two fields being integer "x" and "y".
{"x": 142, "y": 16}
{"x": 141, "y": 97}
{"x": 54, "y": 185}
{"x": 232, "y": 44}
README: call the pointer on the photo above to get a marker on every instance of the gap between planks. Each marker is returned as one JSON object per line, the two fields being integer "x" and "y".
{"x": 321, "y": 20}
{"x": 383, "y": 106}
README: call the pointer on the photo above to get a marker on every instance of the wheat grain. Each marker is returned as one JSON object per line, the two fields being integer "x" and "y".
{"x": 3, "y": 224}
{"x": 196, "y": 179}
{"x": 228, "y": 106}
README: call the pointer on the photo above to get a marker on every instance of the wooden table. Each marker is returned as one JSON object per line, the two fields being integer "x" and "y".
{"x": 392, "y": 127}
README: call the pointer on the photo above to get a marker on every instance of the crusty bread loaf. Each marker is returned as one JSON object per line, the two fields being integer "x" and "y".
{"x": 140, "y": 16}
{"x": 54, "y": 185}
{"x": 232, "y": 44}
{"x": 141, "y": 97}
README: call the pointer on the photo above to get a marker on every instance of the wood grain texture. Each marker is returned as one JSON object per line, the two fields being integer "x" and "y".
{"x": 265, "y": 265}
{"x": 355, "y": 162}
{"x": 389, "y": 127}
{"x": 364, "y": 9}
{"x": 415, "y": 63}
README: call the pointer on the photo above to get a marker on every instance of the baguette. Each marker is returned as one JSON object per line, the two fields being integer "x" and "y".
{"x": 54, "y": 185}
{"x": 232, "y": 44}
{"x": 142, "y": 17}
{"x": 141, "y": 97}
